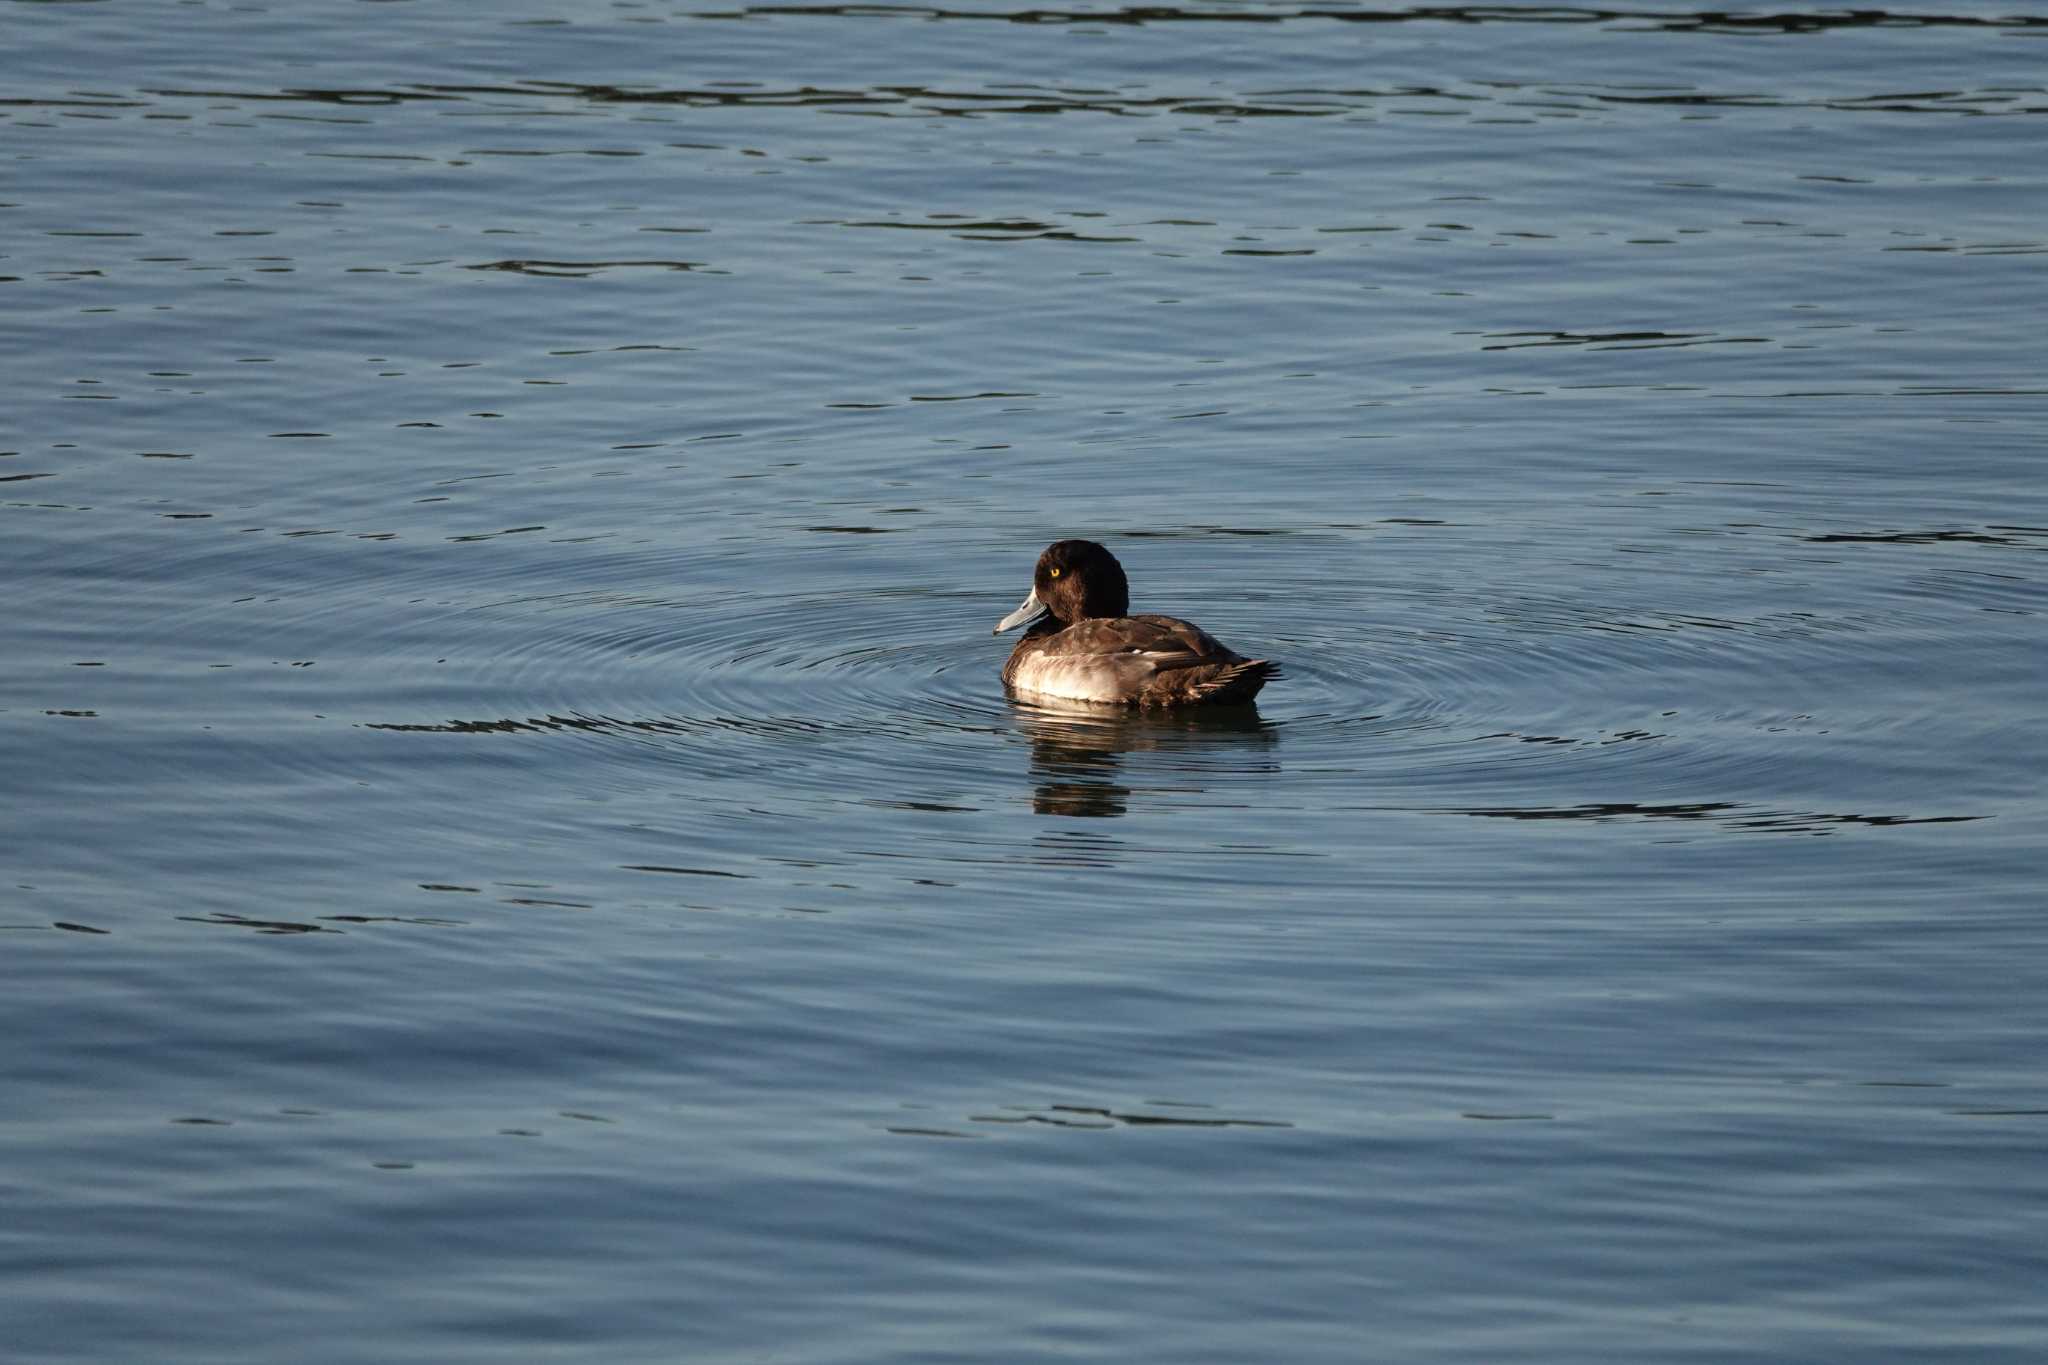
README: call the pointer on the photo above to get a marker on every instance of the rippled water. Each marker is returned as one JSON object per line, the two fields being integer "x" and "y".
{"x": 516, "y": 846}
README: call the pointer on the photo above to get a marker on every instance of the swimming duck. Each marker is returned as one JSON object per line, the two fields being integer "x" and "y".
{"x": 1083, "y": 644}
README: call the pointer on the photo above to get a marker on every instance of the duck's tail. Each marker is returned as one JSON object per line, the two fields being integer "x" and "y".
{"x": 1238, "y": 682}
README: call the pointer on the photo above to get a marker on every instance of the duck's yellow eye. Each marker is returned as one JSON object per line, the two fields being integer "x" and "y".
{"x": 1053, "y": 572}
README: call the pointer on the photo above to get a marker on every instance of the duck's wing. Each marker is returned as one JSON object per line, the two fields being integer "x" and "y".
{"x": 1193, "y": 666}
{"x": 1171, "y": 635}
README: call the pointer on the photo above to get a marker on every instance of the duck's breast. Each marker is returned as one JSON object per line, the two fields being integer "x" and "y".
{"x": 1082, "y": 677}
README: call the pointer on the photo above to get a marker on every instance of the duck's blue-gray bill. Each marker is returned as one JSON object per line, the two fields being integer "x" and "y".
{"x": 1027, "y": 611}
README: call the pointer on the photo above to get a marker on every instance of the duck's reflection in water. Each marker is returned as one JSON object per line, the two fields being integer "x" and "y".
{"x": 1079, "y": 749}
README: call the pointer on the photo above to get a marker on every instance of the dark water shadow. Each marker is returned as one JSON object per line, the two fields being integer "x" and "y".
{"x": 1716, "y": 21}
{"x": 1731, "y": 814}
{"x": 1079, "y": 751}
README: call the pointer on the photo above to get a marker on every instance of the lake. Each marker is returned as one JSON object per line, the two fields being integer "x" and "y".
{"x": 517, "y": 849}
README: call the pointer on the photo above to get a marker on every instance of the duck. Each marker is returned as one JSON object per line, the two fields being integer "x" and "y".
{"x": 1084, "y": 645}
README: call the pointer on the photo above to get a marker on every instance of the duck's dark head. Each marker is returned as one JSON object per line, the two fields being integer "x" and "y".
{"x": 1076, "y": 580}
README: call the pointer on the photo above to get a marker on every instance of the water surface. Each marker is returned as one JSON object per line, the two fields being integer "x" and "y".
{"x": 517, "y": 847}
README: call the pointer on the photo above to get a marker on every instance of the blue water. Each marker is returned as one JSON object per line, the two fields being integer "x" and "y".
{"x": 515, "y": 846}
